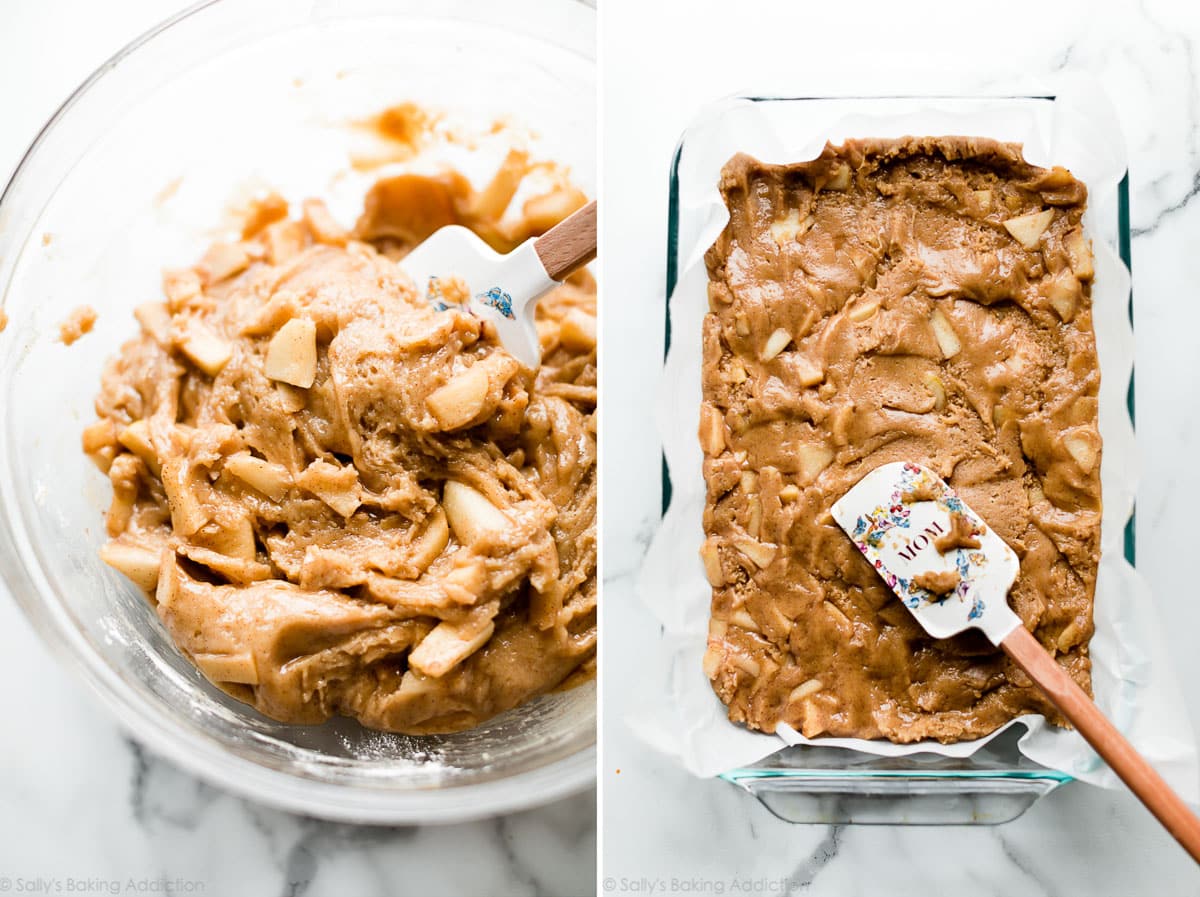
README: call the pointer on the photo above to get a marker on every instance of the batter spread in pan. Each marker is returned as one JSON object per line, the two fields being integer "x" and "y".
{"x": 343, "y": 501}
{"x": 922, "y": 300}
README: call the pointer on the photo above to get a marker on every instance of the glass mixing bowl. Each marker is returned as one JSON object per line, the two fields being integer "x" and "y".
{"x": 131, "y": 175}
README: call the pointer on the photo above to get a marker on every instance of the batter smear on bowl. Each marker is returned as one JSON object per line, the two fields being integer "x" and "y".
{"x": 923, "y": 300}
{"x": 344, "y": 501}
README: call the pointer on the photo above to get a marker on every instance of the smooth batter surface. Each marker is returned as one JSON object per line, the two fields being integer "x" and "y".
{"x": 921, "y": 300}
{"x": 343, "y": 501}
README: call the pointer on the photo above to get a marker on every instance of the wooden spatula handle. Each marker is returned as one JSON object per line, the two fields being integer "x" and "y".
{"x": 570, "y": 244}
{"x": 1102, "y": 735}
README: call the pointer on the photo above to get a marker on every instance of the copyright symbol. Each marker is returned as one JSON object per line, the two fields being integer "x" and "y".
{"x": 5, "y": 883}
{"x": 610, "y": 884}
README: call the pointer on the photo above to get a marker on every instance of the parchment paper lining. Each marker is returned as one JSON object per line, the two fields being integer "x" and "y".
{"x": 681, "y": 715}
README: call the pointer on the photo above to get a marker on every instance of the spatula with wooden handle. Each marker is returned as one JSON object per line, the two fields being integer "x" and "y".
{"x": 505, "y": 288}
{"x": 954, "y": 573}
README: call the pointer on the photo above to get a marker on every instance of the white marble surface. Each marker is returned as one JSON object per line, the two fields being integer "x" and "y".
{"x": 662, "y": 62}
{"x": 85, "y": 810}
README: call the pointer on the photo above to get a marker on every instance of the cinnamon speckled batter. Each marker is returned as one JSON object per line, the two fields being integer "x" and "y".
{"x": 923, "y": 300}
{"x": 343, "y": 501}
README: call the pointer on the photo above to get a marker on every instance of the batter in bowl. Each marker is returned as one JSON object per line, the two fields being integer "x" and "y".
{"x": 343, "y": 501}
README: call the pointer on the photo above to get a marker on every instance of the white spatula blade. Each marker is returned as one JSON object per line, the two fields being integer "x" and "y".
{"x": 504, "y": 288}
{"x": 895, "y": 515}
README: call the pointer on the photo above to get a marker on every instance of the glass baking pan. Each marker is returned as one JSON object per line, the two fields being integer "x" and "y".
{"x": 835, "y": 785}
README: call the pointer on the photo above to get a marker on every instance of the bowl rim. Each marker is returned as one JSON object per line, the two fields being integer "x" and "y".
{"x": 208, "y": 758}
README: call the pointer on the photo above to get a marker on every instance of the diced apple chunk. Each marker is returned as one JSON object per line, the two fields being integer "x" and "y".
{"x": 491, "y": 202}
{"x": 937, "y": 389}
{"x": 1079, "y": 252}
{"x": 292, "y": 353}
{"x": 1064, "y": 293}
{"x": 466, "y": 581}
{"x": 98, "y": 435}
{"x": 863, "y": 311}
{"x": 712, "y": 430}
{"x": 716, "y": 650}
{"x": 983, "y": 199}
{"x": 839, "y": 179}
{"x": 231, "y": 537}
{"x": 472, "y": 517}
{"x": 711, "y": 664}
{"x": 776, "y": 343}
{"x": 742, "y": 619}
{"x": 744, "y": 662}
{"x": 155, "y": 320}
{"x": 448, "y": 645}
{"x": 321, "y": 224}
{"x": 181, "y": 287}
{"x": 578, "y": 331}
{"x": 206, "y": 350}
{"x": 712, "y": 563}
{"x": 471, "y": 394}
{"x": 239, "y": 570}
{"x": 284, "y": 240}
{"x": 839, "y": 425}
{"x": 790, "y": 226}
{"x": 840, "y": 618}
{"x": 414, "y": 684}
{"x": 272, "y": 480}
{"x": 543, "y": 212}
{"x": 813, "y": 459}
{"x": 136, "y": 438}
{"x": 943, "y": 332}
{"x": 1084, "y": 446}
{"x": 292, "y": 399}
{"x": 432, "y": 541}
{"x": 805, "y": 689}
{"x": 1028, "y": 229}
{"x": 138, "y": 563}
{"x": 187, "y": 512}
{"x": 790, "y": 492}
{"x": 459, "y": 401}
{"x": 223, "y": 260}
{"x": 548, "y": 335}
{"x": 808, "y": 372}
{"x": 123, "y": 473}
{"x": 337, "y": 486}
{"x": 100, "y": 443}
{"x": 1073, "y": 633}
{"x": 755, "y": 516}
{"x": 761, "y": 553}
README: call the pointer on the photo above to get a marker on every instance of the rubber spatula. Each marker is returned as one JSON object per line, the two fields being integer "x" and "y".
{"x": 953, "y": 572}
{"x": 505, "y": 288}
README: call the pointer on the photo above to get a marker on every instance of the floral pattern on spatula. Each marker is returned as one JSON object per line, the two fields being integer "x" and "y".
{"x": 872, "y": 529}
